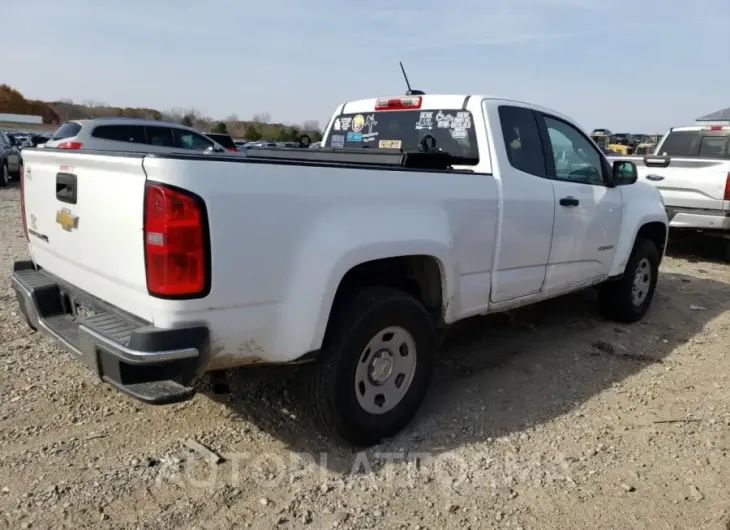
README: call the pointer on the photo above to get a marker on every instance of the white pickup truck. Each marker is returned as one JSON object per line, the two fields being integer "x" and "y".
{"x": 156, "y": 268}
{"x": 691, "y": 169}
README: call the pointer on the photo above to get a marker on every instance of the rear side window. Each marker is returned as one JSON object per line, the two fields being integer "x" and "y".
{"x": 160, "y": 136}
{"x": 190, "y": 140}
{"x": 714, "y": 146}
{"x": 67, "y": 130}
{"x": 522, "y": 140}
{"x": 120, "y": 133}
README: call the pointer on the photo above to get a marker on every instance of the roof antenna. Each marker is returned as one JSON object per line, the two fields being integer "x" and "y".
{"x": 410, "y": 92}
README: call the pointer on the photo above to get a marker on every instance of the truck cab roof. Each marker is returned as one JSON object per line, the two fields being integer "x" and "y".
{"x": 438, "y": 101}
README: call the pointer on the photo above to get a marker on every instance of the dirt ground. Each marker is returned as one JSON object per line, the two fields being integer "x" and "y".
{"x": 548, "y": 418}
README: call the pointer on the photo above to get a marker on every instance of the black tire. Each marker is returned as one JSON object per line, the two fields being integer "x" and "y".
{"x": 358, "y": 318}
{"x": 16, "y": 175}
{"x": 616, "y": 297}
{"x": 4, "y": 175}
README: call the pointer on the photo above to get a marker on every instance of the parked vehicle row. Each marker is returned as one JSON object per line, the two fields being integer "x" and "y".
{"x": 354, "y": 260}
{"x": 27, "y": 139}
{"x": 621, "y": 143}
{"x": 10, "y": 160}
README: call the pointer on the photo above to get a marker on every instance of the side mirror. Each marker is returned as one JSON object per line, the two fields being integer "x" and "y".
{"x": 304, "y": 141}
{"x": 624, "y": 173}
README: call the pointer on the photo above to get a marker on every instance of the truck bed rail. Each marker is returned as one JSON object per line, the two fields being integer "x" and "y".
{"x": 366, "y": 157}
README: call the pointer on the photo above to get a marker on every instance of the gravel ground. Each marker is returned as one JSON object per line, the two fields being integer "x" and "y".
{"x": 545, "y": 418}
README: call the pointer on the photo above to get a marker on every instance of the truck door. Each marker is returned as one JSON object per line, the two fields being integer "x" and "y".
{"x": 528, "y": 208}
{"x": 587, "y": 212}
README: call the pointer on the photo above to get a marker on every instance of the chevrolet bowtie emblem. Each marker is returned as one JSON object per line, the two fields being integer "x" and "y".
{"x": 66, "y": 219}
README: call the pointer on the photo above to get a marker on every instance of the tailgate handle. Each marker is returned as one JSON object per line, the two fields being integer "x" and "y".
{"x": 657, "y": 161}
{"x": 66, "y": 188}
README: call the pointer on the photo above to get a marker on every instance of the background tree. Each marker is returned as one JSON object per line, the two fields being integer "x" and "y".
{"x": 220, "y": 128}
{"x": 310, "y": 125}
{"x": 262, "y": 117}
{"x": 55, "y": 112}
{"x": 253, "y": 133}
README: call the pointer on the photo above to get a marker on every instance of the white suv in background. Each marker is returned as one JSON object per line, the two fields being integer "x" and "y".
{"x": 130, "y": 134}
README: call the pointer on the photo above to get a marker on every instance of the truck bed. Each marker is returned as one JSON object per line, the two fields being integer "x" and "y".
{"x": 264, "y": 213}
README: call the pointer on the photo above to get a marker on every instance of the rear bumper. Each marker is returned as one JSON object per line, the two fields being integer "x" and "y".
{"x": 698, "y": 219}
{"x": 150, "y": 364}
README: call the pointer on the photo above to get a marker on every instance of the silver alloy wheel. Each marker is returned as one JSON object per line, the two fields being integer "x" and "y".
{"x": 642, "y": 282}
{"x": 385, "y": 370}
{"x": 6, "y": 175}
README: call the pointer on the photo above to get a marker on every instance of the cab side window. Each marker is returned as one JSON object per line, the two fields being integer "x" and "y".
{"x": 121, "y": 133}
{"x": 576, "y": 159}
{"x": 160, "y": 136}
{"x": 522, "y": 140}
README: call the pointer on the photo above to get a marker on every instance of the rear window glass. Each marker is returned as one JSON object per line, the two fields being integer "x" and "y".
{"x": 695, "y": 144}
{"x": 223, "y": 139}
{"x": 451, "y": 129}
{"x": 120, "y": 133}
{"x": 67, "y": 130}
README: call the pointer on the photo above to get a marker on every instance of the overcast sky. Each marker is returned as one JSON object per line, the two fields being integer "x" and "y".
{"x": 627, "y": 65}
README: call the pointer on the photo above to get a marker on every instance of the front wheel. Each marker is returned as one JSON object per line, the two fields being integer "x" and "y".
{"x": 628, "y": 299}
{"x": 376, "y": 366}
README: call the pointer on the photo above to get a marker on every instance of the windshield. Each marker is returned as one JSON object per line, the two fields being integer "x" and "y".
{"x": 408, "y": 130}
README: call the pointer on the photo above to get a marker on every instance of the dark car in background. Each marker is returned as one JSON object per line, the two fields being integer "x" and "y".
{"x": 223, "y": 139}
{"x": 10, "y": 161}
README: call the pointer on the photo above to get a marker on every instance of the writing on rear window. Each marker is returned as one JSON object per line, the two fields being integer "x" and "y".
{"x": 447, "y": 130}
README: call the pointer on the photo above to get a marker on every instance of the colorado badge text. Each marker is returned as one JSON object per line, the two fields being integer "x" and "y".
{"x": 66, "y": 219}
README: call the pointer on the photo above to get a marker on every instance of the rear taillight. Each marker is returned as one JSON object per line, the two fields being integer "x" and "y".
{"x": 726, "y": 197}
{"x": 175, "y": 235}
{"x": 399, "y": 103}
{"x": 232, "y": 149}
{"x": 22, "y": 201}
{"x": 70, "y": 145}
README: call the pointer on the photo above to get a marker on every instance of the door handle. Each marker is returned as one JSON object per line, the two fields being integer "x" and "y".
{"x": 569, "y": 201}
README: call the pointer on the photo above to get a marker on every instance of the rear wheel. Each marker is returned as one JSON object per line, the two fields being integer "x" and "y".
{"x": 376, "y": 366}
{"x": 628, "y": 299}
{"x": 17, "y": 172}
{"x": 4, "y": 175}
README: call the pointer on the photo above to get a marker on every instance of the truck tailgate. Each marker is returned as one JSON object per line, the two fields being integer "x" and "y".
{"x": 85, "y": 223}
